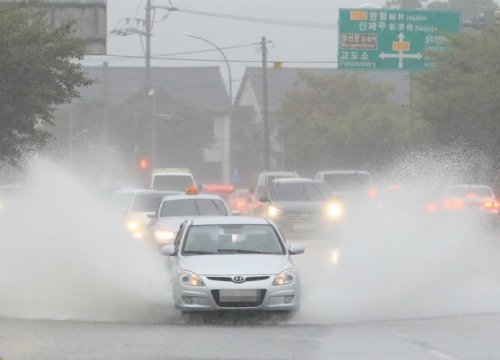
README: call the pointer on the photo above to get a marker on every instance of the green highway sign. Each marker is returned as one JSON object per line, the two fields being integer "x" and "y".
{"x": 393, "y": 39}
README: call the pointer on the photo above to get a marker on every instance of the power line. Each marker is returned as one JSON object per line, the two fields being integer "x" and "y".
{"x": 295, "y": 23}
{"x": 210, "y": 50}
{"x": 231, "y": 61}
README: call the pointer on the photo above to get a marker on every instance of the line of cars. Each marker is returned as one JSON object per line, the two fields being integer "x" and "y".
{"x": 223, "y": 262}
{"x": 316, "y": 205}
{"x": 336, "y": 197}
{"x": 219, "y": 262}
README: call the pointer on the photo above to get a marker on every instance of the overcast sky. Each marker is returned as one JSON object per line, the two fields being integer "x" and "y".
{"x": 289, "y": 43}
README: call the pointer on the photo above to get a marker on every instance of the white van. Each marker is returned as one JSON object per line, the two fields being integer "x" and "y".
{"x": 176, "y": 179}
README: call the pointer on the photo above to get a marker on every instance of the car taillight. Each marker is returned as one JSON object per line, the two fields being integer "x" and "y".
{"x": 372, "y": 192}
{"x": 491, "y": 205}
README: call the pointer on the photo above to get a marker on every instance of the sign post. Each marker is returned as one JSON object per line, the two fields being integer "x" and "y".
{"x": 393, "y": 39}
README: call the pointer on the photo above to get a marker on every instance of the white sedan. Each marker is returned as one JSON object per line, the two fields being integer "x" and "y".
{"x": 174, "y": 210}
{"x": 228, "y": 263}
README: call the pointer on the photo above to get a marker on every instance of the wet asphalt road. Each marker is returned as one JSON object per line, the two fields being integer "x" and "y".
{"x": 259, "y": 337}
{"x": 455, "y": 338}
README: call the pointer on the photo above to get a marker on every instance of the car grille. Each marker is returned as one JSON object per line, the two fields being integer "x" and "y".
{"x": 303, "y": 217}
{"x": 240, "y": 304}
{"x": 229, "y": 278}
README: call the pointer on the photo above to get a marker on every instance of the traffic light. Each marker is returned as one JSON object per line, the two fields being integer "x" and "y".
{"x": 144, "y": 164}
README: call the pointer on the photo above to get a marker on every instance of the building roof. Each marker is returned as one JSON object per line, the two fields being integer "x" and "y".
{"x": 201, "y": 86}
{"x": 281, "y": 81}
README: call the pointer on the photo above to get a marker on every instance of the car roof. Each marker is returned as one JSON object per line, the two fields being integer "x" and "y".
{"x": 183, "y": 196}
{"x": 228, "y": 220}
{"x": 296, "y": 180}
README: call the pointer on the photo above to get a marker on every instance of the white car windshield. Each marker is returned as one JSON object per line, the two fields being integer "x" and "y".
{"x": 300, "y": 191}
{"x": 232, "y": 239}
{"x": 172, "y": 182}
{"x": 193, "y": 207}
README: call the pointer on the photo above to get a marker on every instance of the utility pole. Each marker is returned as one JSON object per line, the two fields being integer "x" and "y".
{"x": 106, "y": 126}
{"x": 265, "y": 108}
{"x": 145, "y": 133}
{"x": 148, "y": 138}
{"x": 148, "y": 47}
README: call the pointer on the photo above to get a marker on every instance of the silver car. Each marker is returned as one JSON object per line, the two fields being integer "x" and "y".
{"x": 174, "y": 210}
{"x": 233, "y": 263}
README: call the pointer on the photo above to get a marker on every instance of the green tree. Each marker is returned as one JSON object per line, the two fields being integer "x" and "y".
{"x": 460, "y": 97}
{"x": 343, "y": 121}
{"x": 38, "y": 72}
{"x": 471, "y": 9}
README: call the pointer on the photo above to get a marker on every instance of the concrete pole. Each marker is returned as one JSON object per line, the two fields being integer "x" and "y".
{"x": 265, "y": 110}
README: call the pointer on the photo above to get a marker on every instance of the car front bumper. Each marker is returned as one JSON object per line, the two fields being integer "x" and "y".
{"x": 210, "y": 297}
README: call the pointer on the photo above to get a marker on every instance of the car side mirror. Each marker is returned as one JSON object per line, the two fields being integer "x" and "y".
{"x": 296, "y": 248}
{"x": 151, "y": 216}
{"x": 265, "y": 198}
{"x": 168, "y": 250}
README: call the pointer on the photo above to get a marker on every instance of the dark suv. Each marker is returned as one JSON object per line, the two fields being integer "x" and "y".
{"x": 301, "y": 204}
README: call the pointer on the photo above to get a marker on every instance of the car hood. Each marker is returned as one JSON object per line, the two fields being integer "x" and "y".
{"x": 300, "y": 206}
{"x": 235, "y": 264}
{"x": 172, "y": 223}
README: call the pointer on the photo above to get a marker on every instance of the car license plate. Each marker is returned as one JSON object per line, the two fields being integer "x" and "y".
{"x": 303, "y": 226}
{"x": 245, "y": 295}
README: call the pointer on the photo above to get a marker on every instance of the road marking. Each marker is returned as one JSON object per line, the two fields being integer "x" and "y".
{"x": 441, "y": 355}
{"x": 427, "y": 347}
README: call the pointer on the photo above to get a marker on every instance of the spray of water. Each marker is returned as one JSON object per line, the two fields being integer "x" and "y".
{"x": 64, "y": 254}
{"x": 401, "y": 262}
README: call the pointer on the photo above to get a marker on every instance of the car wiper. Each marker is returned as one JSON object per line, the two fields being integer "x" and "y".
{"x": 240, "y": 251}
{"x": 197, "y": 252}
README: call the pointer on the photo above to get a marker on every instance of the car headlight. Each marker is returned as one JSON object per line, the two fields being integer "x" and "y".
{"x": 285, "y": 278}
{"x": 189, "y": 278}
{"x": 273, "y": 212}
{"x": 133, "y": 225}
{"x": 335, "y": 210}
{"x": 164, "y": 236}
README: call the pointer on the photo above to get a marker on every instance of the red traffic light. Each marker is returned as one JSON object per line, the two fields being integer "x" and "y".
{"x": 144, "y": 164}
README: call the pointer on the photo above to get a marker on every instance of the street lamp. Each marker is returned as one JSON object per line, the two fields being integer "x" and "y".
{"x": 225, "y": 60}
{"x": 226, "y": 136}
